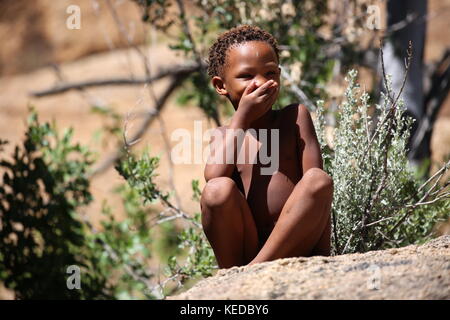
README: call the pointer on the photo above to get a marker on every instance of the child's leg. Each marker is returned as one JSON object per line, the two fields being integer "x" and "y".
{"x": 302, "y": 221}
{"x": 323, "y": 246}
{"x": 228, "y": 223}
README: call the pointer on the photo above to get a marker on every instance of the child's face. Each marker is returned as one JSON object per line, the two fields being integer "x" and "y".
{"x": 253, "y": 60}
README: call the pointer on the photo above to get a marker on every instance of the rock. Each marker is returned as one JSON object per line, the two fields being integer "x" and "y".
{"x": 35, "y": 33}
{"x": 412, "y": 272}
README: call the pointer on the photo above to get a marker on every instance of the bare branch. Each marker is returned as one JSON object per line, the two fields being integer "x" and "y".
{"x": 299, "y": 92}
{"x": 180, "y": 212}
{"x": 115, "y": 257}
{"x": 160, "y": 286}
{"x": 146, "y": 63}
{"x": 379, "y": 221}
{"x": 347, "y": 244}
{"x": 384, "y": 71}
{"x": 185, "y": 25}
{"x": 112, "y": 158}
{"x": 169, "y": 157}
{"x": 392, "y": 108}
{"x": 357, "y": 227}
{"x": 411, "y": 208}
{"x": 187, "y": 32}
{"x": 440, "y": 172}
{"x": 442, "y": 188}
{"x": 175, "y": 71}
{"x": 438, "y": 198}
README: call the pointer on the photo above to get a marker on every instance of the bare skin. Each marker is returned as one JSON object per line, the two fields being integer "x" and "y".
{"x": 248, "y": 217}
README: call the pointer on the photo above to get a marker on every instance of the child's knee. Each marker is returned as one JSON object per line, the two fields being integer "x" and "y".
{"x": 217, "y": 192}
{"x": 319, "y": 182}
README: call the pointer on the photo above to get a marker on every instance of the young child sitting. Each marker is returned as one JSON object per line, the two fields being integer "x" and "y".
{"x": 247, "y": 216}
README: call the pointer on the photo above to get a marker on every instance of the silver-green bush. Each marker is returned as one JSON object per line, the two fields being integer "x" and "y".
{"x": 378, "y": 201}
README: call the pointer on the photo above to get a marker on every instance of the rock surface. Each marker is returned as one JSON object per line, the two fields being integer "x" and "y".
{"x": 413, "y": 272}
{"x": 35, "y": 33}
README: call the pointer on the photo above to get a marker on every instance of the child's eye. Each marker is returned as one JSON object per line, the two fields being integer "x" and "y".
{"x": 271, "y": 73}
{"x": 245, "y": 76}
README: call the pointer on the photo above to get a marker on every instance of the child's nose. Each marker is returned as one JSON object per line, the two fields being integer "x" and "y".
{"x": 261, "y": 80}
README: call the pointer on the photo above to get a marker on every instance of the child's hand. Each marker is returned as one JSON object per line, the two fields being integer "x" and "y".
{"x": 255, "y": 101}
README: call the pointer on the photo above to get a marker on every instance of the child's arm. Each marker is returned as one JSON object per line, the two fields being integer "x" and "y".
{"x": 216, "y": 165}
{"x": 254, "y": 102}
{"x": 311, "y": 157}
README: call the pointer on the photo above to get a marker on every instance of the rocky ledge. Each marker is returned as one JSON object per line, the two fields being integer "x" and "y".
{"x": 412, "y": 272}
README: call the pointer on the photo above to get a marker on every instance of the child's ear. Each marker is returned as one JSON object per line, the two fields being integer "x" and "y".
{"x": 219, "y": 85}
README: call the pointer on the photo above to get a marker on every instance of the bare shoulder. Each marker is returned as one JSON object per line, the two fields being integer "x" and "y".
{"x": 296, "y": 112}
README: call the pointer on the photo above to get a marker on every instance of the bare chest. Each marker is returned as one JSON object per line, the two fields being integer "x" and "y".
{"x": 270, "y": 172}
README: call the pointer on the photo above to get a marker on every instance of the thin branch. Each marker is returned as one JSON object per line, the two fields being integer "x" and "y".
{"x": 394, "y": 101}
{"x": 160, "y": 286}
{"x": 440, "y": 172}
{"x": 431, "y": 192}
{"x": 442, "y": 188}
{"x": 358, "y": 225}
{"x": 386, "y": 86}
{"x": 185, "y": 25}
{"x": 170, "y": 218}
{"x": 347, "y": 244}
{"x": 384, "y": 237}
{"x": 180, "y": 212}
{"x": 407, "y": 66}
{"x": 188, "y": 33}
{"x": 146, "y": 63}
{"x": 379, "y": 221}
{"x": 113, "y": 157}
{"x": 169, "y": 157}
{"x": 440, "y": 197}
{"x": 408, "y": 212}
{"x": 115, "y": 257}
{"x": 123, "y": 31}
{"x": 175, "y": 71}
{"x": 299, "y": 92}
{"x": 413, "y": 18}
{"x": 437, "y": 174}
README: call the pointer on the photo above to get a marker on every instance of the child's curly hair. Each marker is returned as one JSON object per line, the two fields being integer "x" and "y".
{"x": 232, "y": 37}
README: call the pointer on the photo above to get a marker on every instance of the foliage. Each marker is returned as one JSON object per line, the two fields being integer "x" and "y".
{"x": 43, "y": 186}
{"x": 195, "y": 257}
{"x": 124, "y": 247}
{"x": 373, "y": 183}
{"x": 140, "y": 173}
{"x": 44, "y": 189}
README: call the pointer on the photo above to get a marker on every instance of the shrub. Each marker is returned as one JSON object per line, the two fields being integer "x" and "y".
{"x": 195, "y": 257}
{"x": 43, "y": 186}
{"x": 44, "y": 189}
{"x": 378, "y": 201}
